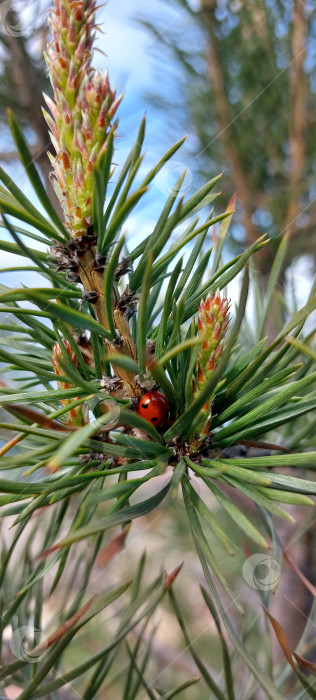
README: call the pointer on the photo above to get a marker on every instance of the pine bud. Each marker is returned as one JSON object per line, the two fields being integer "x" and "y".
{"x": 213, "y": 319}
{"x": 75, "y": 415}
{"x": 81, "y": 112}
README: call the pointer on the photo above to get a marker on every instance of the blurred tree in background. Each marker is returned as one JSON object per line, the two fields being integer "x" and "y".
{"x": 247, "y": 76}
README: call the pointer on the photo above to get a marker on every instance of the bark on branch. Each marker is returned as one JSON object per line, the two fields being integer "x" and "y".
{"x": 225, "y": 119}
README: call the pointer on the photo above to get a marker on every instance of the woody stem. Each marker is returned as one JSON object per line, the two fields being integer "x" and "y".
{"x": 92, "y": 280}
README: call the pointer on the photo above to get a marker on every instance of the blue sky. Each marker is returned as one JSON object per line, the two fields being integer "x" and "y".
{"x": 131, "y": 63}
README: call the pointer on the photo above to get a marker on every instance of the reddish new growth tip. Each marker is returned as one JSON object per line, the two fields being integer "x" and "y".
{"x": 172, "y": 576}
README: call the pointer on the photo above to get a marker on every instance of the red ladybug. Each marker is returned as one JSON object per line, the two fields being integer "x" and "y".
{"x": 154, "y": 408}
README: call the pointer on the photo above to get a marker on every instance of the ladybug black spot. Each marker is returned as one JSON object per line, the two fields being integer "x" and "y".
{"x": 154, "y": 408}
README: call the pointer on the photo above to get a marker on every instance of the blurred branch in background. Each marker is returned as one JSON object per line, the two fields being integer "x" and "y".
{"x": 298, "y": 89}
{"x": 23, "y": 36}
